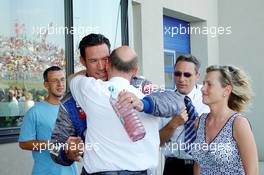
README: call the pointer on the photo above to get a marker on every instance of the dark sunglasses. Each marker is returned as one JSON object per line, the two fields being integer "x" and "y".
{"x": 185, "y": 74}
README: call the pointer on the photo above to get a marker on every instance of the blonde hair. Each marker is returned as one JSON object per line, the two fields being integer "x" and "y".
{"x": 28, "y": 96}
{"x": 241, "y": 93}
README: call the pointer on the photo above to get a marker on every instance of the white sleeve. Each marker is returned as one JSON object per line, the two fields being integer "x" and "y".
{"x": 83, "y": 88}
{"x": 79, "y": 82}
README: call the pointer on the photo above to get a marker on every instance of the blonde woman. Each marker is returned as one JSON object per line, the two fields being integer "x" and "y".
{"x": 225, "y": 143}
{"x": 29, "y": 101}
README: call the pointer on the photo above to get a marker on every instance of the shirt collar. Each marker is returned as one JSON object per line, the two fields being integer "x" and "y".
{"x": 192, "y": 94}
{"x": 119, "y": 80}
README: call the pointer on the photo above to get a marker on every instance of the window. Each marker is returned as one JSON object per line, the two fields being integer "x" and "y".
{"x": 29, "y": 43}
{"x": 33, "y": 38}
{"x": 176, "y": 42}
{"x": 169, "y": 60}
{"x": 99, "y": 16}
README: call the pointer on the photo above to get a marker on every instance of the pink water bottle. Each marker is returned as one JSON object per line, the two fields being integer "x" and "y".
{"x": 128, "y": 117}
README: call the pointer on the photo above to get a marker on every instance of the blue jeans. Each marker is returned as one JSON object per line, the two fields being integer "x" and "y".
{"x": 122, "y": 172}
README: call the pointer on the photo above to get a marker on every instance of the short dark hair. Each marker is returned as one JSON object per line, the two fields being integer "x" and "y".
{"x": 52, "y": 68}
{"x": 93, "y": 40}
{"x": 189, "y": 58}
{"x": 121, "y": 65}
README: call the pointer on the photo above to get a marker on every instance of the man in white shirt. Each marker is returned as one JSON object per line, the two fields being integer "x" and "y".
{"x": 108, "y": 149}
{"x": 172, "y": 132}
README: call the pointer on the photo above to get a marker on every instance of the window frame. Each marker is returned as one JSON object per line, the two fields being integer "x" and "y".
{"x": 11, "y": 134}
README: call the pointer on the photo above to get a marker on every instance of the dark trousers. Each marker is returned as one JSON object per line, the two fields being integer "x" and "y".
{"x": 175, "y": 166}
{"x": 123, "y": 172}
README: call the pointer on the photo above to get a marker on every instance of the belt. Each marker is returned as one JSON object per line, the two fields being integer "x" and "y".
{"x": 122, "y": 172}
{"x": 180, "y": 161}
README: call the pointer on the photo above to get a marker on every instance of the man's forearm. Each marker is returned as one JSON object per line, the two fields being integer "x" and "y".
{"x": 162, "y": 104}
{"x": 167, "y": 131}
{"x": 34, "y": 145}
{"x": 166, "y": 103}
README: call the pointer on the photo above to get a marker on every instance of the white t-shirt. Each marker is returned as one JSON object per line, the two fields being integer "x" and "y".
{"x": 107, "y": 145}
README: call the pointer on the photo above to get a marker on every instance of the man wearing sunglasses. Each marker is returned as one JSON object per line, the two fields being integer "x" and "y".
{"x": 172, "y": 135}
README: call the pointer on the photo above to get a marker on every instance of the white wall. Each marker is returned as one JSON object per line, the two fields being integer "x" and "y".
{"x": 205, "y": 10}
{"x": 152, "y": 40}
{"x": 199, "y": 13}
{"x": 244, "y": 48}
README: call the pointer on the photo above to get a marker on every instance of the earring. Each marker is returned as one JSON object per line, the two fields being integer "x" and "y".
{"x": 224, "y": 95}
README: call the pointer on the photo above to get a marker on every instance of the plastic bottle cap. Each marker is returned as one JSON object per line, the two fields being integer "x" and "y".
{"x": 113, "y": 91}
